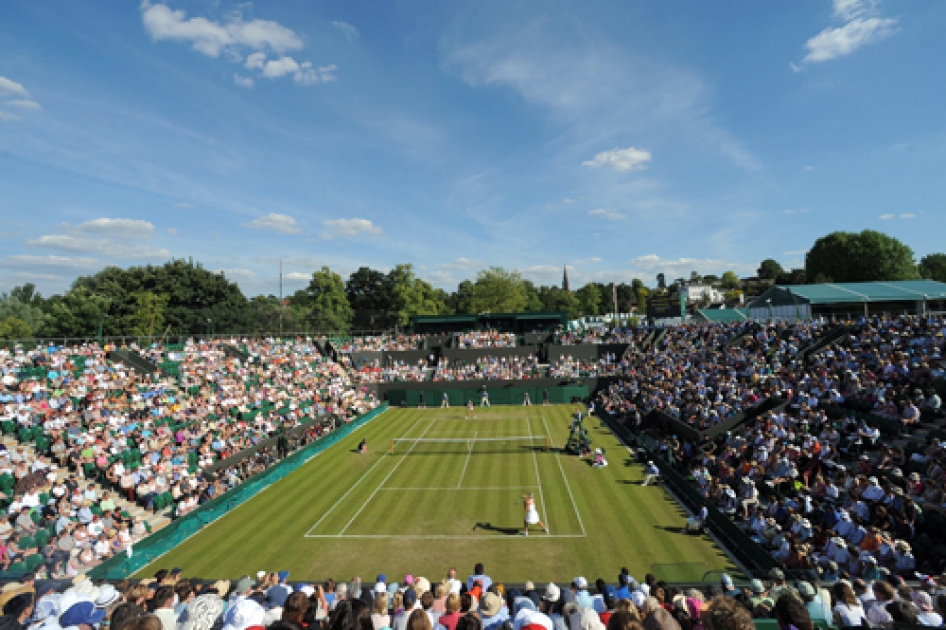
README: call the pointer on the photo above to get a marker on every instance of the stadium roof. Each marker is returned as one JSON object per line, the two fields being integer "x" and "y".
{"x": 853, "y": 292}
{"x": 715, "y": 315}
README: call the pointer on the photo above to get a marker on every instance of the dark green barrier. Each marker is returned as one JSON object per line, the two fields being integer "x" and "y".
{"x": 499, "y": 394}
{"x": 179, "y": 530}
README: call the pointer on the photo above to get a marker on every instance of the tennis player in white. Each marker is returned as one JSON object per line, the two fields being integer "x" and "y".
{"x": 532, "y": 514}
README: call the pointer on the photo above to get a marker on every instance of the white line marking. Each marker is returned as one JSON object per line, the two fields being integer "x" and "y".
{"x": 355, "y": 485}
{"x": 469, "y": 452}
{"x": 565, "y": 479}
{"x": 444, "y": 537}
{"x": 383, "y": 481}
{"x": 468, "y": 488}
{"x": 538, "y": 479}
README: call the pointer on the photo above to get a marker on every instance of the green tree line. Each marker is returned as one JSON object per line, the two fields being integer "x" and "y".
{"x": 182, "y": 298}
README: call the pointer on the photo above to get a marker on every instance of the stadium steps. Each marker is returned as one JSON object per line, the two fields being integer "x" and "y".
{"x": 133, "y": 360}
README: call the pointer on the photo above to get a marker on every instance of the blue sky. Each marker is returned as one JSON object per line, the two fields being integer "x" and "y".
{"x": 620, "y": 138}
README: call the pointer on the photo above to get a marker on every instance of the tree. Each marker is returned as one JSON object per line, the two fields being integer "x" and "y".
{"x": 533, "y": 303}
{"x": 369, "y": 294}
{"x": 868, "y": 256}
{"x": 326, "y": 296}
{"x": 148, "y": 318}
{"x": 933, "y": 267}
{"x": 498, "y": 291}
{"x": 14, "y": 328}
{"x": 412, "y": 296}
{"x": 642, "y": 294}
{"x": 557, "y": 299}
{"x": 194, "y": 296}
{"x": 13, "y": 308}
{"x": 661, "y": 281}
{"x": 730, "y": 280}
{"x": 770, "y": 269}
{"x": 795, "y": 276}
{"x": 27, "y": 294}
{"x": 463, "y": 298}
{"x": 695, "y": 276}
{"x": 77, "y": 313}
{"x": 589, "y": 299}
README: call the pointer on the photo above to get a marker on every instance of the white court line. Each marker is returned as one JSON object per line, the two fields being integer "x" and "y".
{"x": 564, "y": 478}
{"x": 469, "y": 452}
{"x": 538, "y": 478}
{"x": 444, "y": 536}
{"x": 355, "y": 485}
{"x": 383, "y": 481}
{"x": 468, "y": 488}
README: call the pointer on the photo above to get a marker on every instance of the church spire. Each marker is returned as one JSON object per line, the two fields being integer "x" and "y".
{"x": 565, "y": 278}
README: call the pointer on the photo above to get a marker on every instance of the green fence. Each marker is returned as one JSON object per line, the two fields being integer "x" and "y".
{"x": 498, "y": 395}
{"x": 179, "y": 530}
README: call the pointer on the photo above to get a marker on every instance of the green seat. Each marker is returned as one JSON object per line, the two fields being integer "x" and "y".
{"x": 9, "y": 427}
{"x": 27, "y": 542}
{"x": 41, "y": 538}
{"x": 37, "y": 516}
{"x": 7, "y": 481}
{"x": 34, "y": 562}
{"x": 25, "y": 435}
{"x": 17, "y": 567}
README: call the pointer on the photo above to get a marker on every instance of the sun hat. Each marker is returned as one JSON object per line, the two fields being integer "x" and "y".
{"x": 806, "y": 589}
{"x": 380, "y": 588}
{"x": 107, "y": 596}
{"x": 422, "y": 585}
{"x": 552, "y": 593}
{"x": 580, "y": 583}
{"x": 247, "y": 612}
{"x": 82, "y": 613}
{"x": 726, "y": 581}
{"x": 203, "y": 612}
{"x": 490, "y": 604}
{"x": 756, "y": 586}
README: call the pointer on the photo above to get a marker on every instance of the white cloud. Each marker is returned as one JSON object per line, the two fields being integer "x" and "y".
{"x": 297, "y": 276}
{"x": 850, "y": 9}
{"x": 809, "y": 168}
{"x": 346, "y": 29}
{"x": 568, "y": 200}
{"x": 885, "y": 217}
{"x": 243, "y": 275}
{"x": 629, "y": 159}
{"x": 462, "y": 264}
{"x": 255, "y": 61}
{"x": 835, "y": 42}
{"x": 8, "y": 116}
{"x": 795, "y": 252}
{"x": 236, "y": 37}
{"x": 8, "y": 87}
{"x": 118, "y": 228}
{"x": 653, "y": 264}
{"x": 908, "y": 215}
{"x": 30, "y": 261}
{"x": 610, "y": 215}
{"x": 278, "y": 67}
{"x": 275, "y": 222}
{"x": 798, "y": 211}
{"x": 348, "y": 228}
{"x": 211, "y": 38}
{"x": 243, "y": 82}
{"x": 102, "y": 246}
{"x": 25, "y": 104}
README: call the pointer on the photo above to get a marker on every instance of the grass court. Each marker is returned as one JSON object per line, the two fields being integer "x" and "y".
{"x": 449, "y": 495}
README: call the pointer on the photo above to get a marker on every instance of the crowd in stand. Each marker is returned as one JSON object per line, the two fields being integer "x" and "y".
{"x": 815, "y": 481}
{"x": 569, "y": 367}
{"x": 484, "y": 339}
{"x": 94, "y": 434}
{"x": 378, "y": 343}
{"x": 393, "y": 372}
{"x": 489, "y": 368}
{"x": 603, "y": 335}
{"x": 269, "y": 600}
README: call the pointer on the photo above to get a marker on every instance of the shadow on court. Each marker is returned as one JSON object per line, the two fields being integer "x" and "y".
{"x": 508, "y": 531}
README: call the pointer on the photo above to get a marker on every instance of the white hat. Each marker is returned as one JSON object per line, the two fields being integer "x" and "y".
{"x": 260, "y": 575}
{"x": 380, "y": 587}
{"x": 638, "y": 598}
{"x": 580, "y": 582}
{"x": 107, "y": 596}
{"x": 247, "y": 612}
{"x": 552, "y": 592}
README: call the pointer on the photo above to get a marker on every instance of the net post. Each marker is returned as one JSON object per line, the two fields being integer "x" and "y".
{"x": 548, "y": 444}
{"x": 392, "y": 446}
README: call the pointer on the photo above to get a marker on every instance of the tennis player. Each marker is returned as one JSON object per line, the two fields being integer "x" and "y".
{"x": 532, "y": 514}
{"x": 470, "y": 410}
